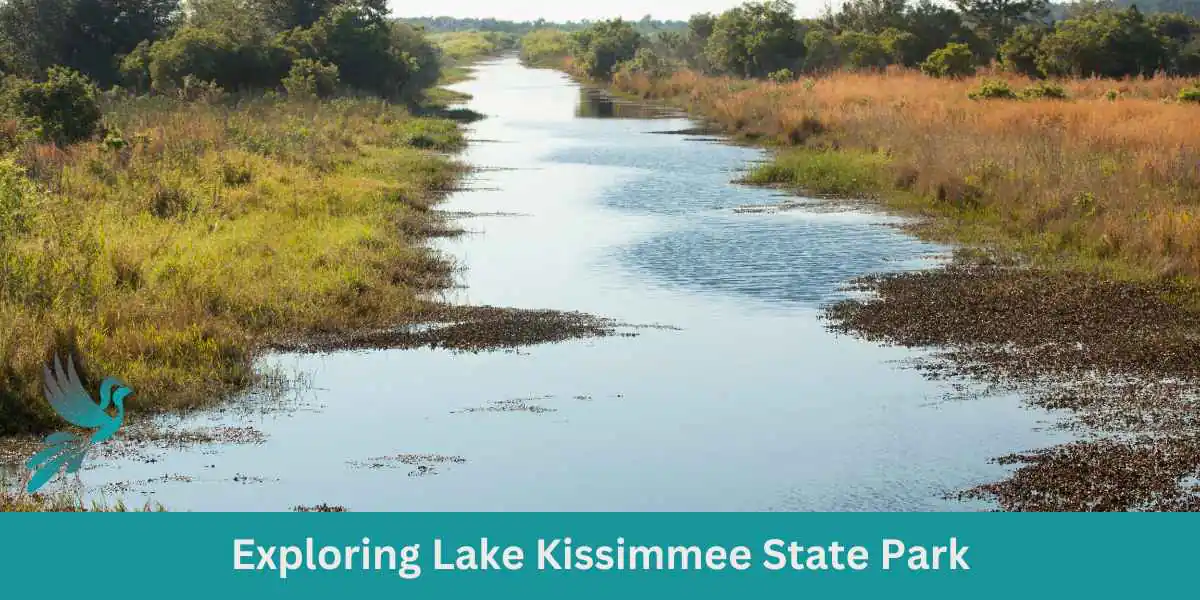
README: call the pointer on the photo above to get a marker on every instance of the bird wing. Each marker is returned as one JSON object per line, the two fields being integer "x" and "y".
{"x": 69, "y": 399}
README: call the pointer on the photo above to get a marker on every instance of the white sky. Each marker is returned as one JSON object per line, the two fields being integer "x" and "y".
{"x": 574, "y": 10}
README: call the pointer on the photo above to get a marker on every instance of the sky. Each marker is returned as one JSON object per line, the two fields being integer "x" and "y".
{"x": 574, "y": 10}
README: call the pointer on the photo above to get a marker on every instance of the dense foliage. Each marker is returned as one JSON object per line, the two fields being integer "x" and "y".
{"x": 152, "y": 45}
{"x": 763, "y": 39}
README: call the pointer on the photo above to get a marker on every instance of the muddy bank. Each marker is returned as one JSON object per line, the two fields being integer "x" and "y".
{"x": 1122, "y": 357}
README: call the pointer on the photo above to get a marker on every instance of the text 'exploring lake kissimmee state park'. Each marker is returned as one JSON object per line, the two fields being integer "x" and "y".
{"x": 564, "y": 554}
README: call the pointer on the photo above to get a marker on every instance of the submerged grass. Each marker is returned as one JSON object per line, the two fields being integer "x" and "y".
{"x": 197, "y": 233}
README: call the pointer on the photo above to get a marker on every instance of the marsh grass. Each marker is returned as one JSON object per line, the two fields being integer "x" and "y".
{"x": 172, "y": 259}
{"x": 11, "y": 501}
{"x": 1107, "y": 178}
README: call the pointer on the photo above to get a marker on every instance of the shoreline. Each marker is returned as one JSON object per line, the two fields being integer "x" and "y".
{"x": 1113, "y": 346}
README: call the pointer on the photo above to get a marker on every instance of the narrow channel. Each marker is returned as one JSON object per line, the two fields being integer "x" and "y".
{"x": 744, "y": 402}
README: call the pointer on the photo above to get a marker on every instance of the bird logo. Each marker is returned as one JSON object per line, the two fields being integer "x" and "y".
{"x": 68, "y": 398}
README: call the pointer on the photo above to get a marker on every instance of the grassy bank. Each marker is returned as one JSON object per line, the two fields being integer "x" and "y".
{"x": 198, "y": 233}
{"x": 1104, "y": 178}
{"x": 461, "y": 48}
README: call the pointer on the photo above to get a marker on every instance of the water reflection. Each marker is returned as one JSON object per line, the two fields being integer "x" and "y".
{"x": 598, "y": 104}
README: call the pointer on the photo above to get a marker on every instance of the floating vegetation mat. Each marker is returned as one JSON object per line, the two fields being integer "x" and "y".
{"x": 472, "y": 329}
{"x": 1122, "y": 357}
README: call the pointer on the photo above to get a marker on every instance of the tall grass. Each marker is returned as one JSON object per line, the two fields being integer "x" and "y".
{"x": 1108, "y": 176}
{"x": 195, "y": 234}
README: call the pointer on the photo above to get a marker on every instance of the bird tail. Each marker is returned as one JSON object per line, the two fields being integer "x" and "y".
{"x": 60, "y": 449}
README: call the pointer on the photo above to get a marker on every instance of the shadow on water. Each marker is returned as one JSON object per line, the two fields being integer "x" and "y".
{"x": 598, "y": 104}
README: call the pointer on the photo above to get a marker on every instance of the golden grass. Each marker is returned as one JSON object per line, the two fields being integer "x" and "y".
{"x": 198, "y": 233}
{"x": 1101, "y": 181}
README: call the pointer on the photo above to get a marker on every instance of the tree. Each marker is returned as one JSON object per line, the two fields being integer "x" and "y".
{"x": 371, "y": 52}
{"x": 755, "y": 39}
{"x": 1021, "y": 50}
{"x": 601, "y": 47}
{"x": 821, "y": 51}
{"x": 1113, "y": 43}
{"x": 89, "y": 36}
{"x": 870, "y": 16}
{"x": 997, "y": 19}
{"x": 1181, "y": 36}
{"x": 934, "y": 26}
{"x": 700, "y": 26}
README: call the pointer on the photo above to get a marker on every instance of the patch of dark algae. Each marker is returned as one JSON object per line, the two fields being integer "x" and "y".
{"x": 1122, "y": 356}
{"x": 468, "y": 329}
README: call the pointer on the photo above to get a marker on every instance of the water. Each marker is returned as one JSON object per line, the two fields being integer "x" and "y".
{"x": 750, "y": 405}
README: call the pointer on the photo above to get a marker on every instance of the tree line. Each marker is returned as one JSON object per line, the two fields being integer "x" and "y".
{"x": 646, "y": 25}
{"x": 764, "y": 39}
{"x": 56, "y": 55}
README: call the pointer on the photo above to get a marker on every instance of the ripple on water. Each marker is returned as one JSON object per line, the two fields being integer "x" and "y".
{"x": 805, "y": 258}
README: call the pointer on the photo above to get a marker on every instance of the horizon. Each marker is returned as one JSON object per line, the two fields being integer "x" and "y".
{"x": 531, "y": 10}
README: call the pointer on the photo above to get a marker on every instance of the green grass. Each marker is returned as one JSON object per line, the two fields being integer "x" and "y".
{"x": 838, "y": 173}
{"x": 175, "y": 260}
{"x": 952, "y": 217}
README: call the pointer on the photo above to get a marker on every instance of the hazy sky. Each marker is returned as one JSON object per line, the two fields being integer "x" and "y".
{"x": 574, "y": 10}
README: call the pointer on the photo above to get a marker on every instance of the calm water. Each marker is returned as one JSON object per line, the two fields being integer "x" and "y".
{"x": 750, "y": 405}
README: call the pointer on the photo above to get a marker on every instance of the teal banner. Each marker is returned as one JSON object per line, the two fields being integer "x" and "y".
{"x": 560, "y": 555}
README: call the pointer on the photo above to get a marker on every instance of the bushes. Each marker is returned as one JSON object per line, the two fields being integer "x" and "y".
{"x": 955, "y": 60}
{"x": 998, "y": 89}
{"x": 992, "y": 89}
{"x": 372, "y": 54}
{"x": 62, "y": 109}
{"x": 1190, "y": 94}
{"x": 211, "y": 56}
{"x": 1044, "y": 90}
{"x": 311, "y": 78}
{"x": 544, "y": 47}
{"x": 782, "y": 76}
{"x": 649, "y": 63}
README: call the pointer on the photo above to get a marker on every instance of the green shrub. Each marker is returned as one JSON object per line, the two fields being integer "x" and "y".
{"x": 649, "y": 63}
{"x": 1112, "y": 95}
{"x": 992, "y": 89}
{"x": 782, "y": 76}
{"x": 1044, "y": 90}
{"x": 63, "y": 109}
{"x": 1190, "y": 94}
{"x": 311, "y": 78}
{"x": 955, "y": 60}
